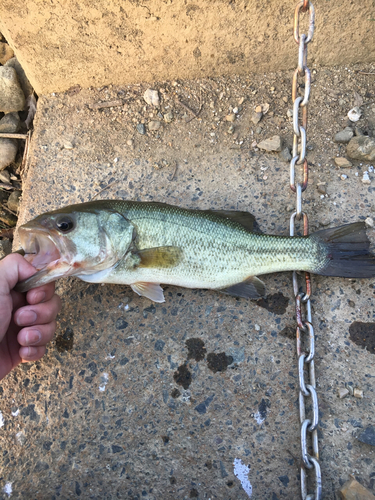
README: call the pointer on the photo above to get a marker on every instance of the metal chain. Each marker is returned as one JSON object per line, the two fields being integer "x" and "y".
{"x": 310, "y": 468}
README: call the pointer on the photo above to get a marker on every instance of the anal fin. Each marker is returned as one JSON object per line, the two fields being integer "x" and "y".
{"x": 152, "y": 291}
{"x": 251, "y": 288}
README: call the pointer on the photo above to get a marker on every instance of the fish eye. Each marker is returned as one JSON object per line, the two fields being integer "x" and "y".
{"x": 64, "y": 224}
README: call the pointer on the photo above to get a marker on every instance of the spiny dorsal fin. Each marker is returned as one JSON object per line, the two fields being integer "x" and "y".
{"x": 246, "y": 219}
{"x": 152, "y": 291}
{"x": 160, "y": 257}
{"x": 251, "y": 288}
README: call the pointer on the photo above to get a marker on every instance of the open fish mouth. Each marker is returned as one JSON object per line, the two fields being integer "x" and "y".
{"x": 40, "y": 249}
{"x": 44, "y": 253}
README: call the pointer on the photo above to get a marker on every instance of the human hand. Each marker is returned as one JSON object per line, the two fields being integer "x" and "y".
{"x": 27, "y": 320}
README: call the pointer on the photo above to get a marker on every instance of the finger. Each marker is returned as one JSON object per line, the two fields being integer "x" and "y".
{"x": 14, "y": 268}
{"x": 37, "y": 335}
{"x": 40, "y": 294}
{"x": 38, "y": 314}
{"x": 31, "y": 353}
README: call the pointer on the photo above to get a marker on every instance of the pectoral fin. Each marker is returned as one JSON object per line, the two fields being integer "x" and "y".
{"x": 160, "y": 257}
{"x": 251, "y": 288}
{"x": 152, "y": 291}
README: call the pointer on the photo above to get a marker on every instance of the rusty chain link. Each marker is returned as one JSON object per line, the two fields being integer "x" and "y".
{"x": 310, "y": 467}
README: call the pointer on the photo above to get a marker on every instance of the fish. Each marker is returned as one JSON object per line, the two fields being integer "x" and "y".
{"x": 146, "y": 244}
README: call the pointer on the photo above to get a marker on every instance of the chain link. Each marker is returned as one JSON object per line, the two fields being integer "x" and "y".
{"x": 310, "y": 467}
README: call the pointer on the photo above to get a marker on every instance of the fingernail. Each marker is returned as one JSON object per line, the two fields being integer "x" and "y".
{"x": 26, "y": 318}
{"x": 32, "y": 337}
{"x": 31, "y": 352}
{"x": 39, "y": 297}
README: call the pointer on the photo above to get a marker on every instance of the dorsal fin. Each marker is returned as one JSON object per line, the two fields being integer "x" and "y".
{"x": 246, "y": 219}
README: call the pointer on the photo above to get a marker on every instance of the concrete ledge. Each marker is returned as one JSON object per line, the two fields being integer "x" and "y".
{"x": 69, "y": 43}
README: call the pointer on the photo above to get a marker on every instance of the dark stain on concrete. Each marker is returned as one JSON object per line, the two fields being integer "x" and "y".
{"x": 193, "y": 493}
{"x": 289, "y": 331}
{"x": 218, "y": 362}
{"x": 64, "y": 341}
{"x": 182, "y": 376}
{"x": 363, "y": 334}
{"x": 276, "y": 303}
{"x": 196, "y": 349}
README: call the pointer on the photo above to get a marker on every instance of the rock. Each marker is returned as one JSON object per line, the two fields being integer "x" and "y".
{"x": 289, "y": 113}
{"x": 343, "y": 162}
{"x": 258, "y": 130}
{"x": 141, "y": 129}
{"x": 344, "y": 136}
{"x": 154, "y": 125}
{"x": 343, "y": 177}
{"x": 68, "y": 145}
{"x": 369, "y": 222}
{"x": 285, "y": 155}
{"x": 22, "y": 78}
{"x": 168, "y": 117}
{"x": 11, "y": 96}
{"x": 368, "y": 436}
{"x": 151, "y": 97}
{"x": 8, "y": 152}
{"x": 230, "y": 118}
{"x": 366, "y": 178}
{"x": 231, "y": 129}
{"x": 14, "y": 201}
{"x": 130, "y": 143}
{"x": 6, "y": 52}
{"x": 5, "y": 177}
{"x": 10, "y": 123}
{"x": 7, "y": 218}
{"x": 5, "y": 248}
{"x": 256, "y": 117}
{"x": 358, "y": 393}
{"x": 361, "y": 148}
{"x": 342, "y": 392}
{"x": 271, "y": 144}
{"x": 322, "y": 188}
{"x": 353, "y": 490}
{"x": 236, "y": 110}
{"x": 355, "y": 114}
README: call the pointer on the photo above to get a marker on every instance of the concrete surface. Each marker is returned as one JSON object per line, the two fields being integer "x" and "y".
{"x": 104, "y": 414}
{"x": 63, "y": 44}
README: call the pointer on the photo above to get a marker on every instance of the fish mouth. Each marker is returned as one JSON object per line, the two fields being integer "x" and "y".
{"x": 45, "y": 253}
{"x": 39, "y": 247}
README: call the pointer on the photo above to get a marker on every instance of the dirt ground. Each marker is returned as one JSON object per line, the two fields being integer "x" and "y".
{"x": 145, "y": 435}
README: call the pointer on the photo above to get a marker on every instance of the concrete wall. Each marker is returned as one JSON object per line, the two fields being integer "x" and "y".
{"x": 63, "y": 43}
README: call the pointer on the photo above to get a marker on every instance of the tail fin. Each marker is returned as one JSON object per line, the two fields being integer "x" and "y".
{"x": 348, "y": 251}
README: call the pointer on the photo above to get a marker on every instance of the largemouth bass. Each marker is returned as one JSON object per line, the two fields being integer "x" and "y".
{"x": 147, "y": 244}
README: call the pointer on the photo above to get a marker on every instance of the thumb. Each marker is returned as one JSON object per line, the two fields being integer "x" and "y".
{"x": 13, "y": 268}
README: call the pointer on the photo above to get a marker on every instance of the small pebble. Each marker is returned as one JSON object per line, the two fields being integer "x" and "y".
{"x": 369, "y": 222}
{"x": 343, "y": 162}
{"x": 289, "y": 113}
{"x": 342, "y": 392}
{"x": 285, "y": 155}
{"x": 271, "y": 144}
{"x": 343, "y": 177}
{"x": 168, "y": 117}
{"x": 257, "y": 327}
{"x": 130, "y": 142}
{"x": 366, "y": 178}
{"x": 344, "y": 136}
{"x": 230, "y": 118}
{"x": 256, "y": 117}
{"x": 6, "y": 53}
{"x": 141, "y": 129}
{"x": 14, "y": 201}
{"x": 231, "y": 129}
{"x": 8, "y": 152}
{"x": 371, "y": 168}
{"x": 258, "y": 130}
{"x": 355, "y": 114}
{"x": 68, "y": 145}
{"x": 154, "y": 125}
{"x": 151, "y": 97}
{"x": 358, "y": 393}
{"x": 235, "y": 110}
{"x": 322, "y": 189}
